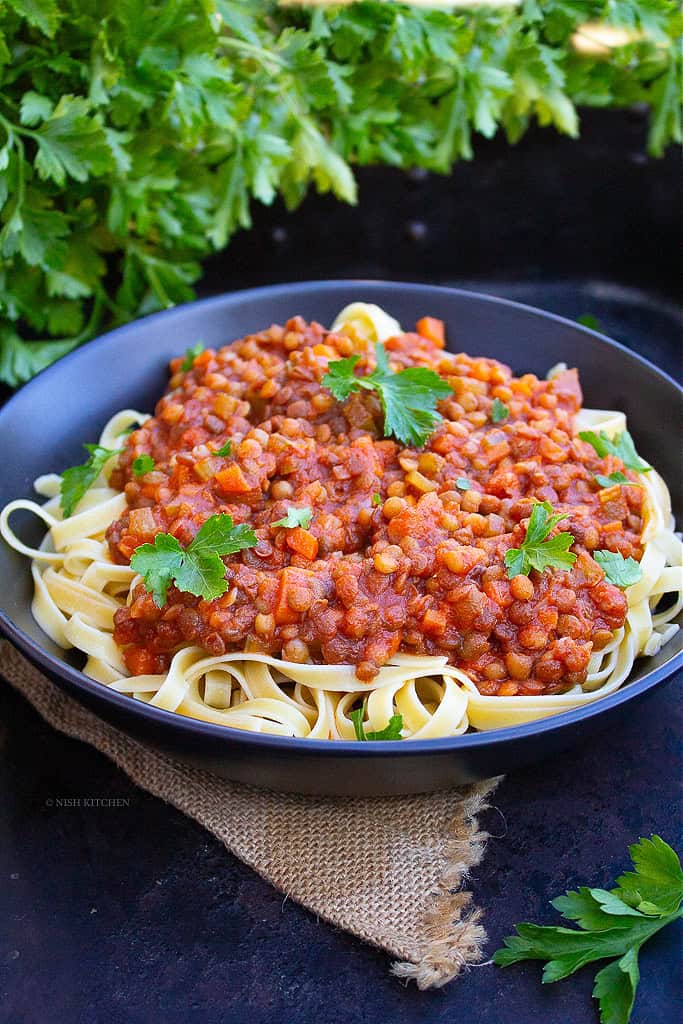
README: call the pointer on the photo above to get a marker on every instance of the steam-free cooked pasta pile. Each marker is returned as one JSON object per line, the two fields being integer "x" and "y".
{"x": 355, "y": 533}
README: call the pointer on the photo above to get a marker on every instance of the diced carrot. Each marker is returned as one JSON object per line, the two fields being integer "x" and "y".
{"x": 613, "y": 527}
{"x": 434, "y": 622}
{"x": 204, "y": 357}
{"x": 432, "y": 329}
{"x": 284, "y": 615}
{"x": 303, "y": 542}
{"x": 232, "y": 480}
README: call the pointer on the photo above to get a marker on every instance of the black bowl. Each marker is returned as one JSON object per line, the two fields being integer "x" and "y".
{"x": 43, "y": 426}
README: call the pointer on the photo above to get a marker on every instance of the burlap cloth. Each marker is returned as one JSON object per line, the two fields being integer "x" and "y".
{"x": 389, "y": 870}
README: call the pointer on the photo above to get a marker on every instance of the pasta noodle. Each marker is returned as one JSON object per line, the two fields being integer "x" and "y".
{"x": 78, "y": 589}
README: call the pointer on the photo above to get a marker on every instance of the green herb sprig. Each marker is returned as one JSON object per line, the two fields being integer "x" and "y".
{"x": 391, "y": 731}
{"x": 135, "y": 137}
{"x": 622, "y": 572}
{"x": 78, "y": 479}
{"x": 612, "y": 925}
{"x": 499, "y": 411}
{"x": 143, "y": 464}
{"x": 295, "y": 517}
{"x": 197, "y": 569}
{"x": 538, "y": 550}
{"x": 615, "y": 478}
{"x": 621, "y": 446}
{"x": 408, "y": 398}
{"x": 190, "y": 356}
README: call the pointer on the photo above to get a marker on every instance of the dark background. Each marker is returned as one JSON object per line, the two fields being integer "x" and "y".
{"x": 133, "y": 913}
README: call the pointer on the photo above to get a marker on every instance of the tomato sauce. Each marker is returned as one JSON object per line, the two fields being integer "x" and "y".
{"x": 419, "y": 569}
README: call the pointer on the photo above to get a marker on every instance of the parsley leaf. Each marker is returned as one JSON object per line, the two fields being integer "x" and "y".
{"x": 143, "y": 464}
{"x": 462, "y": 484}
{"x": 78, "y": 479}
{"x": 340, "y": 378}
{"x": 295, "y": 517}
{"x": 190, "y": 356}
{"x": 615, "y": 478}
{"x": 391, "y": 731}
{"x": 538, "y": 552}
{"x": 622, "y": 572}
{"x": 376, "y": 499}
{"x": 499, "y": 411}
{"x": 197, "y": 569}
{"x": 225, "y": 449}
{"x": 621, "y": 445}
{"x": 612, "y": 925}
{"x": 408, "y": 398}
{"x": 588, "y": 320}
{"x": 656, "y": 885}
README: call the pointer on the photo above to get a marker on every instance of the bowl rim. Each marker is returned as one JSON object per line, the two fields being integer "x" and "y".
{"x": 170, "y": 721}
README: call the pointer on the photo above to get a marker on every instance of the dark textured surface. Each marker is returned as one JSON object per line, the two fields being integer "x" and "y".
{"x": 132, "y": 913}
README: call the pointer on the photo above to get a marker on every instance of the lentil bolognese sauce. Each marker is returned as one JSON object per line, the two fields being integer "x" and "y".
{"x": 304, "y": 499}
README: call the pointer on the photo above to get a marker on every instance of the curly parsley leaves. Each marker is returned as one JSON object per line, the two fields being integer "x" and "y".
{"x": 143, "y": 464}
{"x": 612, "y": 925}
{"x": 622, "y": 572}
{"x": 537, "y": 550}
{"x": 621, "y": 445}
{"x": 197, "y": 569}
{"x": 391, "y": 731}
{"x": 408, "y": 398}
{"x": 79, "y": 479}
{"x": 295, "y": 517}
{"x": 225, "y": 450}
{"x": 376, "y": 498}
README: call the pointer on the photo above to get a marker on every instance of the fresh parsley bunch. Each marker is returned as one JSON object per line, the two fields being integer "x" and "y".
{"x": 134, "y": 136}
{"x": 612, "y": 925}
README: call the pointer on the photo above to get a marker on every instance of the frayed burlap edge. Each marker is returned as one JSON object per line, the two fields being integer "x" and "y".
{"x": 451, "y": 934}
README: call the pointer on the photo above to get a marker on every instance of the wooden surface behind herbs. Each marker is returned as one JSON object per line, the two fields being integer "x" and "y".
{"x": 134, "y": 136}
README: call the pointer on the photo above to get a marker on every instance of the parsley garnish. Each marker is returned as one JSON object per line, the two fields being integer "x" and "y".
{"x": 622, "y": 572}
{"x": 376, "y": 499}
{"x": 462, "y": 484}
{"x": 408, "y": 398}
{"x": 391, "y": 731}
{"x": 612, "y": 925}
{"x": 225, "y": 449}
{"x": 499, "y": 411}
{"x": 114, "y": 117}
{"x": 197, "y": 569}
{"x": 295, "y": 517}
{"x": 588, "y": 320}
{"x": 620, "y": 445}
{"x": 143, "y": 464}
{"x": 537, "y": 552}
{"x": 190, "y": 356}
{"x": 78, "y": 479}
{"x": 615, "y": 478}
